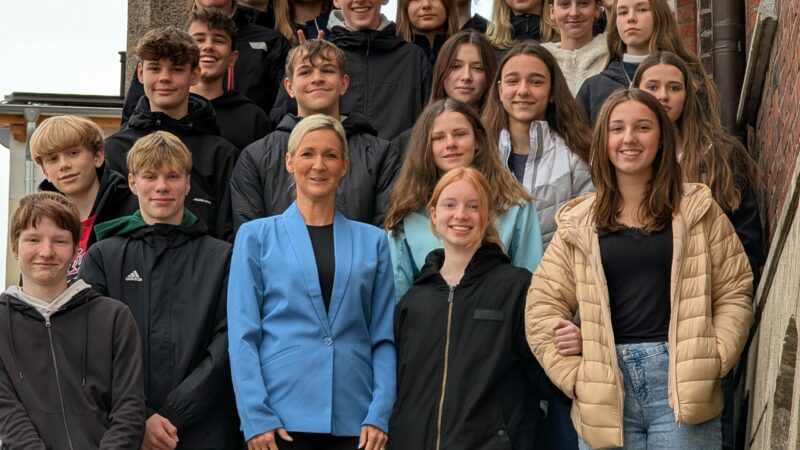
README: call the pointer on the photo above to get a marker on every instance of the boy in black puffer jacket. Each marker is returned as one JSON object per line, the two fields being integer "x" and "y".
{"x": 390, "y": 79}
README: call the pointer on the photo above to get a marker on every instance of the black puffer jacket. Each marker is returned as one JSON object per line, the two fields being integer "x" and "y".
{"x": 390, "y": 79}
{"x": 597, "y": 88}
{"x": 114, "y": 199}
{"x": 94, "y": 361}
{"x": 174, "y": 279}
{"x": 258, "y": 73}
{"x": 431, "y": 51}
{"x": 488, "y": 383}
{"x": 240, "y": 121}
{"x": 261, "y": 186}
{"x": 213, "y": 158}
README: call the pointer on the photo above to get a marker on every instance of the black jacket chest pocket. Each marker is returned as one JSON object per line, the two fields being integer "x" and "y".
{"x": 495, "y": 315}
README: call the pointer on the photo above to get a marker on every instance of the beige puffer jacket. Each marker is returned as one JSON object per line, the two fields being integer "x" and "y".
{"x": 710, "y": 316}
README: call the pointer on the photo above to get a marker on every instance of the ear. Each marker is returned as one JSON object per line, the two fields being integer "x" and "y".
{"x": 433, "y": 217}
{"x": 140, "y": 73}
{"x": 345, "y": 166}
{"x": 288, "y": 161}
{"x": 44, "y": 172}
{"x": 195, "y": 76}
{"x": 234, "y": 58}
{"x": 99, "y": 157}
{"x": 132, "y": 183}
{"x": 551, "y": 8}
{"x": 287, "y": 84}
{"x": 337, "y": 4}
{"x": 345, "y": 84}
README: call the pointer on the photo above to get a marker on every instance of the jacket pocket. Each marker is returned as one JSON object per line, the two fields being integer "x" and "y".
{"x": 494, "y": 315}
{"x": 281, "y": 354}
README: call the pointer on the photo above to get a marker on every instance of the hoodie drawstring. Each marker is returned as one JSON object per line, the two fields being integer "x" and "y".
{"x": 11, "y": 338}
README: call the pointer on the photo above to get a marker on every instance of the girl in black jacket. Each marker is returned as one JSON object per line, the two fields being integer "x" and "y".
{"x": 466, "y": 377}
{"x": 427, "y": 24}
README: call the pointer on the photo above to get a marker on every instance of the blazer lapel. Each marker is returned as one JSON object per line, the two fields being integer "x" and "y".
{"x": 343, "y": 251}
{"x": 306, "y": 262}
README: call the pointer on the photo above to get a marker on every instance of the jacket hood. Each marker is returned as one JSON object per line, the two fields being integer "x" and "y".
{"x": 111, "y": 182}
{"x": 230, "y": 99}
{"x": 201, "y": 118}
{"x": 385, "y": 38}
{"x": 576, "y": 225}
{"x": 130, "y": 225}
{"x": 353, "y": 123}
{"x": 486, "y": 258}
{"x": 80, "y": 295}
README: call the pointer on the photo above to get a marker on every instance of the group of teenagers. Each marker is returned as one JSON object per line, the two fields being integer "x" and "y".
{"x": 318, "y": 230}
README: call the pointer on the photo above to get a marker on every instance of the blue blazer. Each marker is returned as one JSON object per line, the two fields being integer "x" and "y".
{"x": 294, "y": 365}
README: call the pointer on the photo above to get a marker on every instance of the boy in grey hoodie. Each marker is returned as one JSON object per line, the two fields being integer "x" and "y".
{"x": 63, "y": 383}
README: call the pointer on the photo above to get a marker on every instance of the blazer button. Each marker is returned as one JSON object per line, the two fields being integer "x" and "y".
{"x": 501, "y": 433}
{"x": 327, "y": 341}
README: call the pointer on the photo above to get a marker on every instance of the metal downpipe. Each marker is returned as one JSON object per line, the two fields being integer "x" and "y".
{"x": 728, "y": 56}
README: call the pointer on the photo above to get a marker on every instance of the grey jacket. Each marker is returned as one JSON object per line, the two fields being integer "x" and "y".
{"x": 554, "y": 174}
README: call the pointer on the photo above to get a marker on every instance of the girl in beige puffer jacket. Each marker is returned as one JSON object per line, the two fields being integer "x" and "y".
{"x": 662, "y": 285}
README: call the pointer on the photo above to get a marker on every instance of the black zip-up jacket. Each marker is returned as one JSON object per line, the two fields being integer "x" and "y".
{"x": 241, "y": 122}
{"x": 257, "y": 74}
{"x": 261, "y": 186}
{"x": 175, "y": 281}
{"x": 488, "y": 383}
{"x": 596, "y": 89}
{"x": 747, "y": 222}
{"x": 213, "y": 158}
{"x": 90, "y": 355}
{"x": 477, "y": 23}
{"x": 114, "y": 199}
{"x": 431, "y": 51}
{"x": 390, "y": 79}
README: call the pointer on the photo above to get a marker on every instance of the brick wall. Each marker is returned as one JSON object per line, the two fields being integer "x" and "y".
{"x": 686, "y": 11}
{"x": 775, "y": 140}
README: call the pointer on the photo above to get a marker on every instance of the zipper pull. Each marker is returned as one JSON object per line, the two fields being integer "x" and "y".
{"x": 450, "y": 296}
{"x": 47, "y": 322}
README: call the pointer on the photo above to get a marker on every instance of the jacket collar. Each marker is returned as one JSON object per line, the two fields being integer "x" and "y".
{"x": 296, "y": 229}
{"x": 576, "y": 224}
{"x": 487, "y": 257}
{"x": 540, "y": 141}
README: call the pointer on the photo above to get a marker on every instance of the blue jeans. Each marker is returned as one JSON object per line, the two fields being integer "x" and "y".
{"x": 648, "y": 421}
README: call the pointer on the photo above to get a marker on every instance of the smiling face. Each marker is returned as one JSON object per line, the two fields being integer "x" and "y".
{"x": 167, "y": 85}
{"x": 457, "y": 215}
{"x": 665, "y": 82}
{"x": 361, "y": 14}
{"x": 317, "y": 86}
{"x": 574, "y": 19}
{"x": 317, "y": 165}
{"x": 426, "y": 16}
{"x": 44, "y": 253}
{"x": 635, "y": 25}
{"x": 524, "y": 89}
{"x": 633, "y": 140}
{"x": 466, "y": 81}
{"x": 452, "y": 141}
{"x": 216, "y": 51}
{"x": 161, "y": 193}
{"x": 73, "y": 171}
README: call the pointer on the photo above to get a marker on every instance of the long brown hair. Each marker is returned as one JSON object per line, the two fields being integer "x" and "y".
{"x": 666, "y": 38}
{"x": 419, "y": 174}
{"x": 448, "y": 54}
{"x": 707, "y": 150}
{"x": 663, "y": 195}
{"x": 405, "y": 28}
{"x": 486, "y": 229}
{"x": 563, "y": 114}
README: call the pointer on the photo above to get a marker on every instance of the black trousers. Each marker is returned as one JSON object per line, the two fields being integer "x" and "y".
{"x": 313, "y": 441}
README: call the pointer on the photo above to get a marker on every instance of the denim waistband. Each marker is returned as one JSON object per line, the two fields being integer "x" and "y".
{"x": 641, "y": 350}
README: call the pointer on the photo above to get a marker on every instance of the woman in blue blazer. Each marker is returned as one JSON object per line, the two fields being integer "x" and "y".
{"x": 310, "y": 311}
